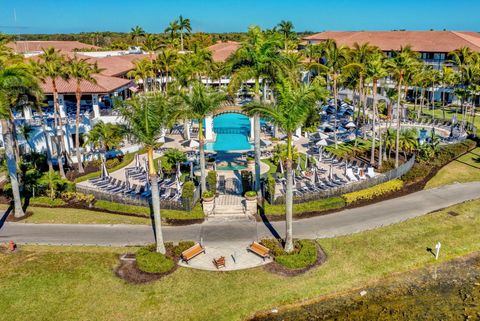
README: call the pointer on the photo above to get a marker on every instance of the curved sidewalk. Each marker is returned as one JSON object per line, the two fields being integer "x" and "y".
{"x": 340, "y": 223}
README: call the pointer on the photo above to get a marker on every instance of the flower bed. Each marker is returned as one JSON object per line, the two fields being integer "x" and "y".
{"x": 373, "y": 192}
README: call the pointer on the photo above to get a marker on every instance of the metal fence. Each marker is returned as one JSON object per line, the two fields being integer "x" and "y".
{"x": 180, "y": 205}
{"x": 352, "y": 187}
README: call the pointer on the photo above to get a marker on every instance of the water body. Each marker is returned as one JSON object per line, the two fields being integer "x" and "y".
{"x": 450, "y": 291}
{"x": 232, "y": 131}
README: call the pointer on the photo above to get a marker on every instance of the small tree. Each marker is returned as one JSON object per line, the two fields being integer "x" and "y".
{"x": 188, "y": 192}
{"x": 271, "y": 188}
{"x": 247, "y": 179}
{"x": 174, "y": 156}
{"x": 212, "y": 181}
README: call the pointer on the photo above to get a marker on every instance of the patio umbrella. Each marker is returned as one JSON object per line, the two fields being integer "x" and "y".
{"x": 331, "y": 171}
{"x": 350, "y": 125}
{"x": 127, "y": 181}
{"x": 321, "y": 142}
{"x": 160, "y": 169}
{"x": 320, "y": 135}
{"x": 191, "y": 170}
{"x": 295, "y": 138}
{"x": 137, "y": 160}
{"x": 346, "y": 166}
{"x": 191, "y": 143}
{"x": 178, "y": 173}
{"x": 104, "y": 169}
{"x": 314, "y": 175}
{"x": 281, "y": 166}
{"x": 298, "y": 167}
{"x": 177, "y": 184}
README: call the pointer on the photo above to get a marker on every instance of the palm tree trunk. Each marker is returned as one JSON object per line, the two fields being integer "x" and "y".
{"x": 201, "y": 140}
{"x": 374, "y": 93}
{"x": 47, "y": 144}
{"x": 443, "y": 102}
{"x": 58, "y": 129}
{"x": 416, "y": 101}
{"x": 77, "y": 131}
{"x": 289, "y": 197}
{"x": 181, "y": 40}
{"x": 256, "y": 138}
{"x": 12, "y": 167}
{"x": 380, "y": 147}
{"x": 433, "y": 101}
{"x": 397, "y": 139}
{"x": 155, "y": 202}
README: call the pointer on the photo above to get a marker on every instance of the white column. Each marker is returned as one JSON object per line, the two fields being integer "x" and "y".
{"x": 96, "y": 107}
{"x": 27, "y": 112}
{"x": 186, "y": 127}
{"x": 61, "y": 106}
{"x": 298, "y": 132}
{"x": 209, "y": 128}
{"x": 252, "y": 131}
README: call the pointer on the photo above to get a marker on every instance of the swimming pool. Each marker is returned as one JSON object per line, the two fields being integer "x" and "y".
{"x": 232, "y": 131}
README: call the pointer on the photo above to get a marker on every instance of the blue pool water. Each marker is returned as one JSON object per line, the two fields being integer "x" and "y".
{"x": 232, "y": 132}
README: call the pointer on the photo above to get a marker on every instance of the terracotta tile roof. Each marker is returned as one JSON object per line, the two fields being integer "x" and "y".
{"x": 105, "y": 85}
{"x": 222, "y": 50}
{"x": 31, "y": 46}
{"x": 421, "y": 41}
{"x": 117, "y": 65}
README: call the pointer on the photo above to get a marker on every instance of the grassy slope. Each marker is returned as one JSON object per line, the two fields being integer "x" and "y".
{"x": 78, "y": 284}
{"x": 463, "y": 169}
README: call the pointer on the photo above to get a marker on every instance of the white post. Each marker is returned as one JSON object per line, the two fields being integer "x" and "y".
{"x": 298, "y": 132}
{"x": 209, "y": 128}
{"x": 96, "y": 107}
{"x": 437, "y": 250}
{"x": 61, "y": 106}
{"x": 186, "y": 127}
{"x": 27, "y": 112}
{"x": 252, "y": 132}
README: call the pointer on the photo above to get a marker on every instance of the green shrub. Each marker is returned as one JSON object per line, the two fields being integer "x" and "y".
{"x": 212, "y": 181}
{"x": 47, "y": 201}
{"x": 274, "y": 246}
{"x": 417, "y": 172}
{"x": 373, "y": 192}
{"x": 271, "y": 187}
{"x": 152, "y": 262}
{"x": 208, "y": 194}
{"x": 251, "y": 194}
{"x": 182, "y": 246}
{"x": 78, "y": 198}
{"x": 322, "y": 205}
{"x": 174, "y": 156}
{"x": 247, "y": 179}
{"x": 188, "y": 190}
{"x": 305, "y": 255}
{"x": 111, "y": 163}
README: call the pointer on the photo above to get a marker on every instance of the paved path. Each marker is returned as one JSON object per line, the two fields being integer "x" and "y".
{"x": 341, "y": 223}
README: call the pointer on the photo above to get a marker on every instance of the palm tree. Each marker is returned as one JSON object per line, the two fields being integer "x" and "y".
{"x": 375, "y": 70}
{"x": 399, "y": 67}
{"x": 199, "y": 103}
{"x": 105, "y": 136}
{"x": 448, "y": 78}
{"x": 166, "y": 62}
{"x": 183, "y": 26}
{"x": 336, "y": 59}
{"x": 172, "y": 29}
{"x": 408, "y": 141}
{"x": 143, "y": 71}
{"x": 26, "y": 131}
{"x": 286, "y": 29}
{"x": 16, "y": 85}
{"x": 80, "y": 70}
{"x": 292, "y": 107}
{"x": 151, "y": 44}
{"x": 462, "y": 58}
{"x": 136, "y": 33}
{"x": 51, "y": 67}
{"x": 257, "y": 59}
{"x": 146, "y": 116}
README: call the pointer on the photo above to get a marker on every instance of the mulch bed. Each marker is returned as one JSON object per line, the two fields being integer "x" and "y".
{"x": 130, "y": 273}
{"x": 276, "y": 268}
{"x": 12, "y": 218}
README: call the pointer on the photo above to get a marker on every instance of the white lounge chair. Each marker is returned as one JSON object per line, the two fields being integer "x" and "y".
{"x": 371, "y": 173}
{"x": 351, "y": 177}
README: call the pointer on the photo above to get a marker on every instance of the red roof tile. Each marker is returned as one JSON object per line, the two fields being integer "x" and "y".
{"x": 65, "y": 46}
{"x": 104, "y": 85}
{"x": 421, "y": 41}
{"x": 222, "y": 50}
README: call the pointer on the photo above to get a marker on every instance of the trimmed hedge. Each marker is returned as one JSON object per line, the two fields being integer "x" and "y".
{"x": 152, "y": 262}
{"x": 304, "y": 255}
{"x": 373, "y": 192}
{"x": 46, "y": 201}
{"x": 322, "y": 205}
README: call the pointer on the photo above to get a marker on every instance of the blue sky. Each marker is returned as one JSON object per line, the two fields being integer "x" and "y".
{"x": 64, "y": 16}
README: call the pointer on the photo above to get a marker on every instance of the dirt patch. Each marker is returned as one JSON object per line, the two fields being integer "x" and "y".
{"x": 12, "y": 218}
{"x": 130, "y": 273}
{"x": 276, "y": 268}
{"x": 448, "y": 291}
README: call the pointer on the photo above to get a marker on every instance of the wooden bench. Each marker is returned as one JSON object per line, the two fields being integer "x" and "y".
{"x": 220, "y": 262}
{"x": 259, "y": 249}
{"x": 189, "y": 254}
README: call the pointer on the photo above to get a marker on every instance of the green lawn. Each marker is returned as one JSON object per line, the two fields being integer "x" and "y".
{"x": 464, "y": 169}
{"x": 313, "y": 206}
{"x": 449, "y": 113}
{"x": 77, "y": 283}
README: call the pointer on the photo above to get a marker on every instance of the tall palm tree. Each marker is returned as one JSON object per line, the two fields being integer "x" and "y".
{"x": 51, "y": 67}
{"x": 286, "y": 29}
{"x": 137, "y": 33}
{"x": 146, "y": 116}
{"x": 143, "y": 72}
{"x": 16, "y": 85}
{"x": 184, "y": 27}
{"x": 293, "y": 105}
{"x": 81, "y": 71}
{"x": 166, "y": 62}
{"x": 151, "y": 44}
{"x": 375, "y": 70}
{"x": 172, "y": 30}
{"x": 448, "y": 78}
{"x": 105, "y": 136}
{"x": 336, "y": 59}
{"x": 462, "y": 57}
{"x": 200, "y": 102}
{"x": 258, "y": 59}
{"x": 399, "y": 67}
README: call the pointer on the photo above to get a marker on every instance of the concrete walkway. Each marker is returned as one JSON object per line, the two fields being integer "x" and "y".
{"x": 218, "y": 232}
